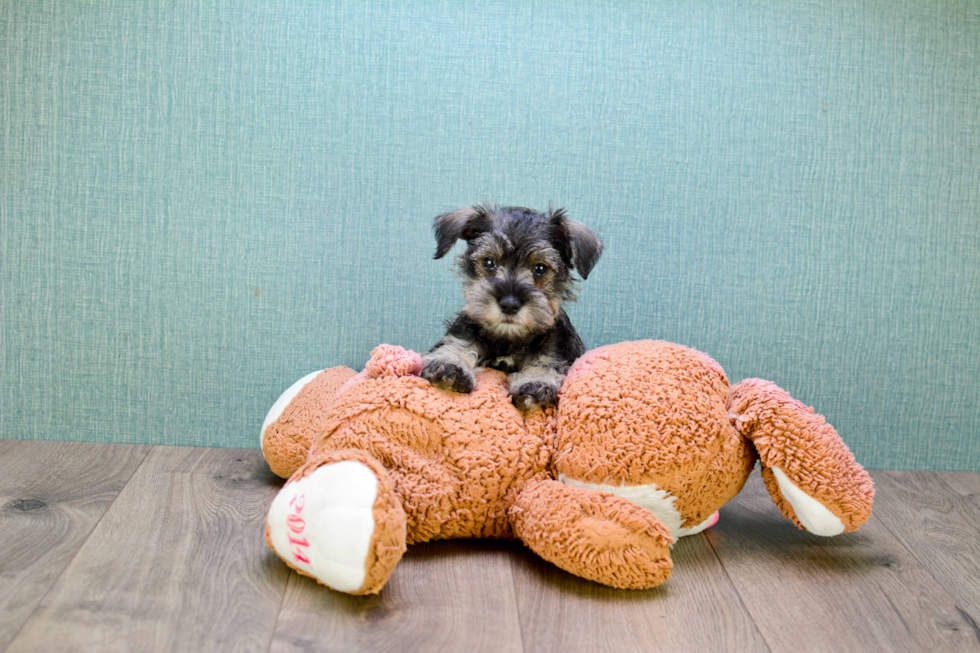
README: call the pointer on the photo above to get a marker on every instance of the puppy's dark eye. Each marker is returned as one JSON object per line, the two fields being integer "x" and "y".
{"x": 540, "y": 270}
{"x": 489, "y": 264}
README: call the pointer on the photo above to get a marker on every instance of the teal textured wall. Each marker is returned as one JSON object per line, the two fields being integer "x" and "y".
{"x": 202, "y": 202}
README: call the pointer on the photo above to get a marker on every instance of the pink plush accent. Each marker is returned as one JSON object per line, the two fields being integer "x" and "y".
{"x": 392, "y": 361}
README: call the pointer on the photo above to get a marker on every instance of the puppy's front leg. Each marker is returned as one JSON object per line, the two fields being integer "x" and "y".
{"x": 450, "y": 363}
{"x": 537, "y": 384}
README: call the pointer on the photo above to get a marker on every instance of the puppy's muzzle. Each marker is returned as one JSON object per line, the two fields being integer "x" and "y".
{"x": 509, "y": 305}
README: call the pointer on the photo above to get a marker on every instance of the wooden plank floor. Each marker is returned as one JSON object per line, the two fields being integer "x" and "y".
{"x": 133, "y": 548}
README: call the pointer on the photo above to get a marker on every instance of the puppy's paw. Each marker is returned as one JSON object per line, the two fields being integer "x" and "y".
{"x": 449, "y": 376}
{"x": 535, "y": 393}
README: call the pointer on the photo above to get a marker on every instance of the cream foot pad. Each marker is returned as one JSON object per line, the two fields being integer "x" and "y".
{"x": 322, "y": 524}
{"x": 815, "y": 517}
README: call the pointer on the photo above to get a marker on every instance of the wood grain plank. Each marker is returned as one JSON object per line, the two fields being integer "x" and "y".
{"x": 52, "y": 494}
{"x": 936, "y": 517}
{"x": 697, "y": 609}
{"x": 443, "y": 596}
{"x": 966, "y": 489}
{"x": 858, "y": 591}
{"x": 177, "y": 563}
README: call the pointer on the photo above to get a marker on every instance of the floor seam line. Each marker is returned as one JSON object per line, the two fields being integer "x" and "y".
{"x": 517, "y": 604}
{"x": 967, "y": 515}
{"x": 282, "y": 602}
{"x": 741, "y": 601}
{"x": 942, "y": 586}
{"x": 80, "y": 546}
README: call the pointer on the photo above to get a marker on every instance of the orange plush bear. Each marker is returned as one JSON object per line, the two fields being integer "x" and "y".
{"x": 647, "y": 442}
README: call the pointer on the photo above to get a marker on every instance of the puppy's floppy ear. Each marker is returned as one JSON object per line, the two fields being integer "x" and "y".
{"x": 584, "y": 246}
{"x": 465, "y": 223}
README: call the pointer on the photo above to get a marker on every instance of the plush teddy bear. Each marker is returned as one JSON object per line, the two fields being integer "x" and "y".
{"x": 647, "y": 442}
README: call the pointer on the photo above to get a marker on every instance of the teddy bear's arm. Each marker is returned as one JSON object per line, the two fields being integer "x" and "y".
{"x": 595, "y": 535}
{"x": 809, "y": 471}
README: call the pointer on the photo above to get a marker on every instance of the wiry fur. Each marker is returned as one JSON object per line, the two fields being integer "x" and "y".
{"x": 512, "y": 318}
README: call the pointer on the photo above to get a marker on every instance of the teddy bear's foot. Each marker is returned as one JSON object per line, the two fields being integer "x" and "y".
{"x": 809, "y": 471}
{"x": 297, "y": 417}
{"x": 809, "y": 513}
{"x": 339, "y": 521}
{"x": 595, "y": 535}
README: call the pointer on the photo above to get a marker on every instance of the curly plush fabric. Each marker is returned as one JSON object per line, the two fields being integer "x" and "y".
{"x": 387, "y": 360}
{"x": 387, "y": 544}
{"x": 647, "y": 442}
{"x": 456, "y": 460}
{"x": 594, "y": 535}
{"x": 286, "y": 441}
{"x": 792, "y": 437}
{"x": 652, "y": 412}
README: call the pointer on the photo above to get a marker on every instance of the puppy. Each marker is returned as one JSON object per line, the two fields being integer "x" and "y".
{"x": 517, "y": 272}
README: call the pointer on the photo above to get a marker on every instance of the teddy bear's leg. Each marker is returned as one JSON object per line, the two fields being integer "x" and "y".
{"x": 339, "y": 521}
{"x": 593, "y": 534}
{"x": 809, "y": 471}
{"x": 296, "y": 418}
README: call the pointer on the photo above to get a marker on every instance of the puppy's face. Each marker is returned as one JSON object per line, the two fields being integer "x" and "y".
{"x": 517, "y": 268}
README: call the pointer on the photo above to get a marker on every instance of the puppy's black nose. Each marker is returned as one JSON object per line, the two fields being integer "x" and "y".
{"x": 509, "y": 304}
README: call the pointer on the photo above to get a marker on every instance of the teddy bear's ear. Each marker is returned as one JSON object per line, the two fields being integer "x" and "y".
{"x": 584, "y": 245}
{"x": 466, "y": 223}
{"x": 393, "y": 361}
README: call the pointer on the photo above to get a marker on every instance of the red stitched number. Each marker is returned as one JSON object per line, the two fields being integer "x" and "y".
{"x": 297, "y": 524}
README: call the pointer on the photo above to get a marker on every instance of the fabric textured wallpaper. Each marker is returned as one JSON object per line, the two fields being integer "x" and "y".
{"x": 202, "y": 202}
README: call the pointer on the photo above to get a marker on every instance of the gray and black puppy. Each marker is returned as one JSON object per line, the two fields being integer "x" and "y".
{"x": 517, "y": 272}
